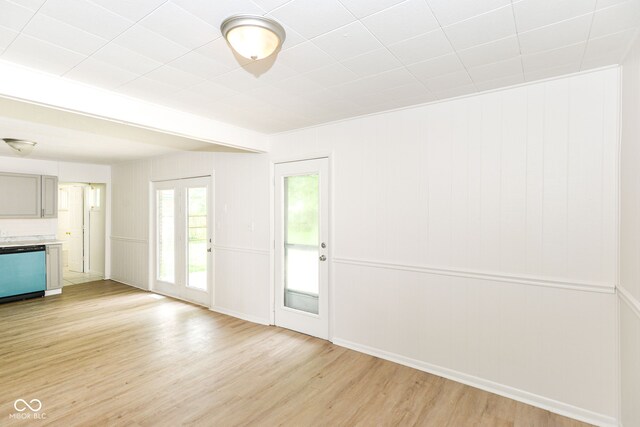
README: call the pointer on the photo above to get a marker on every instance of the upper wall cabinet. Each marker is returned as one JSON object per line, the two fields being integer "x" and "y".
{"x": 49, "y": 197}
{"x": 28, "y": 196}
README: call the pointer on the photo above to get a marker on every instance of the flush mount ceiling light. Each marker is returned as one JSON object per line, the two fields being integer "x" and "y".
{"x": 252, "y": 36}
{"x": 20, "y": 146}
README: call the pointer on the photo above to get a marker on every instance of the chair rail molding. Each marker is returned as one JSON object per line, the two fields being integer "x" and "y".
{"x": 482, "y": 275}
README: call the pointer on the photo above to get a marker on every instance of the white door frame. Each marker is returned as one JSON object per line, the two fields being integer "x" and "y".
{"x": 329, "y": 155}
{"x": 152, "y": 237}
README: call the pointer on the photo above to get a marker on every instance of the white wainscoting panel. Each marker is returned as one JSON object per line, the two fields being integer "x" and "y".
{"x": 629, "y": 290}
{"x": 130, "y": 261}
{"x": 242, "y": 283}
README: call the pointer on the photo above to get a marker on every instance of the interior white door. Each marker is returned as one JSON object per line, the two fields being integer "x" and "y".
{"x": 302, "y": 246}
{"x": 183, "y": 248}
{"x": 75, "y": 234}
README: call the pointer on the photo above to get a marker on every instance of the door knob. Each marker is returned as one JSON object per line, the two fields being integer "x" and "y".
{"x": 323, "y": 258}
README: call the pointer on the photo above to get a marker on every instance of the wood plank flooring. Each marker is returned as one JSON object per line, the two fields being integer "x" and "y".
{"x": 103, "y": 353}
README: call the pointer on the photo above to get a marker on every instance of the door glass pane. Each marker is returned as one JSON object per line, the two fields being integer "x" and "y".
{"x": 166, "y": 235}
{"x": 301, "y": 287}
{"x": 198, "y": 241}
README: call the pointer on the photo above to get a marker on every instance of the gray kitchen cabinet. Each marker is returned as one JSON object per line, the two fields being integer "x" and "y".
{"x": 54, "y": 267}
{"x": 20, "y": 195}
{"x": 49, "y": 196}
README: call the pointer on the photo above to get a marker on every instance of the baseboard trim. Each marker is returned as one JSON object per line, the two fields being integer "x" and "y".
{"x": 633, "y": 303}
{"x": 239, "y": 315}
{"x": 50, "y": 292}
{"x": 483, "y": 275}
{"x": 124, "y": 282}
{"x": 490, "y": 386}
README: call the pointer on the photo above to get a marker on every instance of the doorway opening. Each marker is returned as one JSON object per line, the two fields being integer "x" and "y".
{"x": 81, "y": 228}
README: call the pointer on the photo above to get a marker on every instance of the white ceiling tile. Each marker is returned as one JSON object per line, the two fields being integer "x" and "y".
{"x": 99, "y": 73}
{"x": 490, "y": 52}
{"x": 292, "y": 37}
{"x": 348, "y": 41}
{"x": 392, "y": 78}
{"x": 449, "y": 12}
{"x": 532, "y": 14}
{"x": 563, "y": 33}
{"x": 501, "y": 82}
{"x": 601, "y": 4}
{"x": 174, "y": 77}
{"x": 496, "y": 70}
{"x": 220, "y": 51}
{"x": 211, "y": 91}
{"x": 273, "y": 95}
{"x": 402, "y": 21}
{"x": 59, "y": 33}
{"x": 127, "y": 59}
{"x": 239, "y": 80}
{"x": 87, "y": 16}
{"x": 388, "y": 79}
{"x": 269, "y": 72}
{"x": 13, "y": 16}
{"x": 304, "y": 57}
{"x": 437, "y": 66}
{"x": 269, "y": 5}
{"x": 421, "y": 48}
{"x": 299, "y": 85}
{"x": 132, "y": 10}
{"x": 374, "y": 62}
{"x": 214, "y": 12}
{"x": 6, "y": 37}
{"x": 565, "y": 56}
{"x": 449, "y": 81}
{"x": 180, "y": 26}
{"x": 200, "y": 65}
{"x": 148, "y": 90}
{"x": 362, "y": 8}
{"x": 312, "y": 18}
{"x": 408, "y": 91}
{"x": 332, "y": 75}
{"x": 30, "y": 4}
{"x": 456, "y": 91}
{"x": 482, "y": 29}
{"x": 148, "y": 43}
{"x": 608, "y": 50}
{"x": 616, "y": 18}
{"x": 546, "y": 73}
{"x": 41, "y": 55}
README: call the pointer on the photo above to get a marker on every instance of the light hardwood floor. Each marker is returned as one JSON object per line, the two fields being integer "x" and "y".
{"x": 103, "y": 353}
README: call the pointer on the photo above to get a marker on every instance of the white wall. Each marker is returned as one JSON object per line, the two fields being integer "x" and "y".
{"x": 66, "y": 172}
{"x": 477, "y": 238}
{"x": 629, "y": 289}
{"x": 241, "y": 232}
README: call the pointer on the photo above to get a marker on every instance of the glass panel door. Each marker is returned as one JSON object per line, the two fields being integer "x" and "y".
{"x": 197, "y": 238}
{"x": 301, "y": 246}
{"x": 165, "y": 235}
{"x": 183, "y": 243}
{"x": 301, "y": 239}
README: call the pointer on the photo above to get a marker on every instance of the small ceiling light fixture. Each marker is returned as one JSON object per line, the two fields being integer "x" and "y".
{"x": 253, "y": 36}
{"x": 20, "y": 146}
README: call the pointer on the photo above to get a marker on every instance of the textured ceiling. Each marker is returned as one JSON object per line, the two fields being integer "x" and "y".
{"x": 341, "y": 58}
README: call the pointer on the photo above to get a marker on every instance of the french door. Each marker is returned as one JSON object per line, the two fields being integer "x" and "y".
{"x": 183, "y": 238}
{"x": 302, "y": 246}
